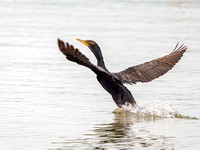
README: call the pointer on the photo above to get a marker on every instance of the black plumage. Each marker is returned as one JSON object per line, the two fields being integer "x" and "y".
{"x": 113, "y": 82}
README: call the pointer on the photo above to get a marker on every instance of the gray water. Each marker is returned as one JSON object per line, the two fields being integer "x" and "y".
{"x": 47, "y": 102}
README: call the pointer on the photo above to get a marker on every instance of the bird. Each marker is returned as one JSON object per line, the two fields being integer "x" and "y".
{"x": 113, "y": 83}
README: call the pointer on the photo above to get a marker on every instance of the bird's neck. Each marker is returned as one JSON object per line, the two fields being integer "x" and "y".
{"x": 100, "y": 62}
{"x": 99, "y": 57}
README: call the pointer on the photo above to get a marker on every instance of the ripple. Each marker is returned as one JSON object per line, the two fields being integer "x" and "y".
{"x": 153, "y": 109}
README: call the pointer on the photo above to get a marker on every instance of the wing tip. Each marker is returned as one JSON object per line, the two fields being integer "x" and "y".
{"x": 182, "y": 48}
{"x": 61, "y": 44}
{"x": 65, "y": 48}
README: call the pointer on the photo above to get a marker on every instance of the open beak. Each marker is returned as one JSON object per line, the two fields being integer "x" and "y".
{"x": 83, "y": 41}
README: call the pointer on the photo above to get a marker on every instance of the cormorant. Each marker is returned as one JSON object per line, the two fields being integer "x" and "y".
{"x": 113, "y": 82}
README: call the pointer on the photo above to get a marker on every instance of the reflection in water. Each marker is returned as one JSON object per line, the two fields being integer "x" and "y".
{"x": 122, "y": 133}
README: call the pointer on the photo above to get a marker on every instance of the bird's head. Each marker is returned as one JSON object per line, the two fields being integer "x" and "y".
{"x": 92, "y": 45}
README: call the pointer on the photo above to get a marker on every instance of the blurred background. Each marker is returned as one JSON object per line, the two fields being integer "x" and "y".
{"x": 47, "y": 102}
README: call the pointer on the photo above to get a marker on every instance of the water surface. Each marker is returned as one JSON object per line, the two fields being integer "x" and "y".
{"x": 47, "y": 102}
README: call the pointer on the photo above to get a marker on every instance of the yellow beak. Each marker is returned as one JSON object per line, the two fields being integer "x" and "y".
{"x": 83, "y": 41}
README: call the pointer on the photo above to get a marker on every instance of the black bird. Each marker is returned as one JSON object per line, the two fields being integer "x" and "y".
{"x": 113, "y": 82}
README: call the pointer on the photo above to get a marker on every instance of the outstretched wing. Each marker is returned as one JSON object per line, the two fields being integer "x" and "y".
{"x": 73, "y": 54}
{"x": 153, "y": 69}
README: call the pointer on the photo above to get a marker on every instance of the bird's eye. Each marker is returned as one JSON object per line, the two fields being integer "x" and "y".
{"x": 91, "y": 45}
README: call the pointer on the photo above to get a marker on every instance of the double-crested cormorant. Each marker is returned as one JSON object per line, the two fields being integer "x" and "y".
{"x": 113, "y": 82}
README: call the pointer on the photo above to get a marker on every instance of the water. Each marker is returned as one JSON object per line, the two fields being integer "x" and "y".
{"x": 47, "y": 102}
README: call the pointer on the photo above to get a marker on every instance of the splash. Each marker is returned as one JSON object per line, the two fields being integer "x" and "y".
{"x": 155, "y": 109}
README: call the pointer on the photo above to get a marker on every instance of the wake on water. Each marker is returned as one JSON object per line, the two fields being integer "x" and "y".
{"x": 154, "y": 109}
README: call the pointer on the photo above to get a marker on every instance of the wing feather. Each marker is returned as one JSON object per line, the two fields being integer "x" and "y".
{"x": 148, "y": 71}
{"x": 74, "y": 55}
